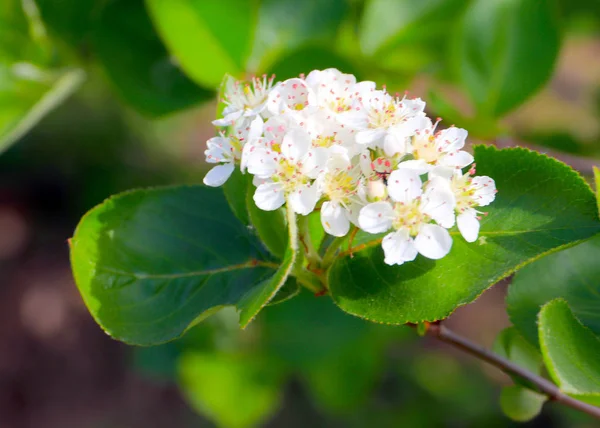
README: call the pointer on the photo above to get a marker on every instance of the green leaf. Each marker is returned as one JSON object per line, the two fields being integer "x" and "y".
{"x": 209, "y": 38}
{"x": 542, "y": 206}
{"x": 290, "y": 289}
{"x": 257, "y": 298}
{"x": 70, "y": 19}
{"x": 270, "y": 226}
{"x": 505, "y": 51}
{"x": 235, "y": 391}
{"x": 27, "y": 94}
{"x": 597, "y": 184}
{"x": 285, "y": 25}
{"x": 235, "y": 190}
{"x": 150, "y": 263}
{"x": 570, "y": 352}
{"x": 512, "y": 346}
{"x": 308, "y": 58}
{"x": 521, "y": 404}
{"x": 572, "y": 274}
{"x": 387, "y": 21}
{"x": 138, "y": 64}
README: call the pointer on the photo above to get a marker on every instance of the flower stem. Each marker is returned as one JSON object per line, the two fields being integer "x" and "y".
{"x": 441, "y": 332}
{"x": 310, "y": 281}
{"x": 332, "y": 250}
{"x": 312, "y": 255}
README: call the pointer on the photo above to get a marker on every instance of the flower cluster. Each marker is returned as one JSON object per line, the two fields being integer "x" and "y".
{"x": 356, "y": 153}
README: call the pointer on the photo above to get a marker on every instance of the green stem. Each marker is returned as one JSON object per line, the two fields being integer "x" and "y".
{"x": 332, "y": 250}
{"x": 312, "y": 255}
{"x": 310, "y": 280}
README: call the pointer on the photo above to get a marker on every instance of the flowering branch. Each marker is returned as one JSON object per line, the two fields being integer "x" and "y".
{"x": 441, "y": 332}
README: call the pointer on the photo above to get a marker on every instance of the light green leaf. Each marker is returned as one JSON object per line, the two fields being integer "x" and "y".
{"x": 209, "y": 38}
{"x": 150, "y": 263}
{"x": 27, "y": 94}
{"x": 512, "y": 346}
{"x": 521, "y": 404}
{"x": 542, "y": 206}
{"x": 234, "y": 391}
{"x": 570, "y": 352}
{"x": 505, "y": 51}
{"x": 138, "y": 64}
{"x": 387, "y": 21}
{"x": 572, "y": 274}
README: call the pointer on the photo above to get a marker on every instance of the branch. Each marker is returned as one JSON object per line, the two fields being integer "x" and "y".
{"x": 442, "y": 333}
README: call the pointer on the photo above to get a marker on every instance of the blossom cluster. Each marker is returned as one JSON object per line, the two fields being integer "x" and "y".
{"x": 356, "y": 153}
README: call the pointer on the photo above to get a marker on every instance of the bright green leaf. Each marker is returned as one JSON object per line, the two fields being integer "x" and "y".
{"x": 521, "y": 404}
{"x": 138, "y": 65}
{"x": 209, "y": 38}
{"x": 505, "y": 51}
{"x": 570, "y": 352}
{"x": 235, "y": 391}
{"x": 573, "y": 274}
{"x": 388, "y": 21}
{"x": 149, "y": 263}
{"x": 542, "y": 206}
{"x": 27, "y": 94}
{"x": 597, "y": 184}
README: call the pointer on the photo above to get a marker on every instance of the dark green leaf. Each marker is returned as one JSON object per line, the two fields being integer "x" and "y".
{"x": 505, "y": 51}
{"x": 308, "y": 58}
{"x": 235, "y": 190}
{"x": 521, "y": 404}
{"x": 27, "y": 94}
{"x": 70, "y": 19}
{"x": 209, "y": 38}
{"x": 572, "y": 274}
{"x": 570, "y": 352}
{"x": 150, "y": 263}
{"x": 512, "y": 346}
{"x": 290, "y": 289}
{"x": 542, "y": 206}
{"x": 235, "y": 391}
{"x": 138, "y": 64}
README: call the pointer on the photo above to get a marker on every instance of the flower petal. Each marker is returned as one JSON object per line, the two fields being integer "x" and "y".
{"x": 369, "y": 136}
{"x": 218, "y": 175}
{"x": 485, "y": 190}
{"x": 229, "y": 119}
{"x": 439, "y": 201}
{"x": 404, "y": 185}
{"x": 295, "y": 144}
{"x": 334, "y": 219}
{"x": 269, "y": 196}
{"x": 398, "y": 247}
{"x": 458, "y": 159}
{"x": 261, "y": 162}
{"x": 419, "y": 166}
{"x": 468, "y": 225}
{"x": 304, "y": 199}
{"x": 451, "y": 139}
{"x": 394, "y": 143}
{"x": 433, "y": 241}
{"x": 376, "y": 217}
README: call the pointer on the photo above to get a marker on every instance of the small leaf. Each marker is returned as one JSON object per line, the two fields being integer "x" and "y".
{"x": 570, "y": 352}
{"x": 521, "y": 404}
{"x": 138, "y": 64}
{"x": 209, "y": 38}
{"x": 150, "y": 263}
{"x": 542, "y": 206}
{"x": 512, "y": 346}
{"x": 290, "y": 289}
{"x": 234, "y": 391}
{"x": 505, "y": 51}
{"x": 235, "y": 190}
{"x": 572, "y": 274}
{"x": 27, "y": 94}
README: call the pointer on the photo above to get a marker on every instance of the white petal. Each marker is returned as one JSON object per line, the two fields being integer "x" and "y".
{"x": 334, "y": 219}
{"x": 269, "y": 196}
{"x": 458, "y": 159}
{"x": 353, "y": 212}
{"x": 218, "y": 175}
{"x": 256, "y": 129}
{"x": 295, "y": 144}
{"x": 354, "y": 119}
{"x": 369, "y": 136}
{"x": 314, "y": 162}
{"x": 433, "y": 241}
{"x": 394, "y": 143}
{"x": 304, "y": 199}
{"x": 376, "y": 217}
{"x": 439, "y": 201}
{"x": 485, "y": 190}
{"x": 229, "y": 118}
{"x": 451, "y": 139}
{"x": 419, "y": 166}
{"x": 404, "y": 185}
{"x": 468, "y": 225}
{"x": 442, "y": 172}
{"x": 261, "y": 162}
{"x": 398, "y": 248}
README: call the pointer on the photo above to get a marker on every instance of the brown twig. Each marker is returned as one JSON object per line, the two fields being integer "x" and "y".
{"x": 441, "y": 332}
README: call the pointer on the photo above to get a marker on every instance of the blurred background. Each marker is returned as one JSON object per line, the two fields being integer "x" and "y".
{"x": 104, "y": 96}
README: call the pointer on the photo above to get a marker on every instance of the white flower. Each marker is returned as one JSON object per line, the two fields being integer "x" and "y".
{"x": 287, "y": 171}
{"x": 290, "y": 96}
{"x": 410, "y": 215}
{"x": 328, "y": 133}
{"x": 470, "y": 192}
{"x": 341, "y": 185}
{"x": 383, "y": 120}
{"x": 430, "y": 149}
{"x": 244, "y": 100}
{"x": 226, "y": 151}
